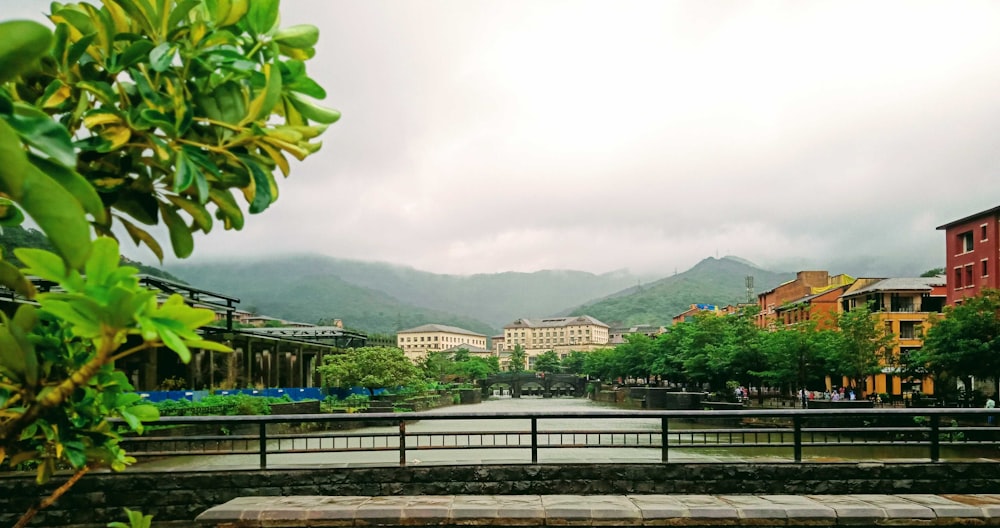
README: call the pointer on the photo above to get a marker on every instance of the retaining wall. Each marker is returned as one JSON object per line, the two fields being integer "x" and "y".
{"x": 177, "y": 498}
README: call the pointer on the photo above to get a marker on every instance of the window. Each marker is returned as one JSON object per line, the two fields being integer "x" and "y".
{"x": 908, "y": 329}
{"x": 982, "y": 232}
{"x": 985, "y": 268}
{"x": 958, "y": 278}
{"x": 965, "y": 242}
{"x": 968, "y": 275}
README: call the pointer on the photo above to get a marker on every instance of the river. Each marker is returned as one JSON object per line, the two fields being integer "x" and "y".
{"x": 436, "y": 433}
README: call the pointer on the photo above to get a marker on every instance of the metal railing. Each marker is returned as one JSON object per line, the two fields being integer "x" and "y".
{"x": 783, "y": 434}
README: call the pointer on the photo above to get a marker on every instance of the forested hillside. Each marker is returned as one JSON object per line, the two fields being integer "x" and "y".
{"x": 299, "y": 290}
{"x": 16, "y": 236}
{"x": 492, "y": 299}
{"x": 711, "y": 281}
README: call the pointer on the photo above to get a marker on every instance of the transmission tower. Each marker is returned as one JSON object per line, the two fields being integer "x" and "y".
{"x": 751, "y": 298}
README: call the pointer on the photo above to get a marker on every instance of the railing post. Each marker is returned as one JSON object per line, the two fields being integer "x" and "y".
{"x": 262, "y": 435}
{"x": 935, "y": 438}
{"x": 797, "y": 437}
{"x": 402, "y": 443}
{"x": 663, "y": 440}
{"x": 534, "y": 440}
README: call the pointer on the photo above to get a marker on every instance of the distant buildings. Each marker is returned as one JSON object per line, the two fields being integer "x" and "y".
{"x": 561, "y": 334}
{"x": 806, "y": 283}
{"x": 417, "y": 342}
{"x": 617, "y": 334}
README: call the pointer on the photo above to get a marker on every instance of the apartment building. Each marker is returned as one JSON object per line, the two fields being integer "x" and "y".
{"x": 560, "y": 334}
{"x": 695, "y": 309}
{"x": 417, "y": 342}
{"x": 972, "y": 259}
{"x": 822, "y": 308}
{"x": 805, "y": 283}
{"x": 903, "y": 307}
{"x": 616, "y": 335}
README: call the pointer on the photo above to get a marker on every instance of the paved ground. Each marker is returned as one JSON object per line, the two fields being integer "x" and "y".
{"x": 608, "y": 510}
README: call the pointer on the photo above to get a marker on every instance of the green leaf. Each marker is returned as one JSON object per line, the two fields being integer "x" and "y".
{"x": 175, "y": 343}
{"x": 85, "y": 324}
{"x": 12, "y": 362}
{"x": 228, "y": 210}
{"x": 40, "y": 131}
{"x": 44, "y": 264}
{"x": 261, "y": 186}
{"x": 104, "y": 257}
{"x": 262, "y": 15}
{"x": 24, "y": 42}
{"x": 13, "y": 279}
{"x": 161, "y": 56}
{"x": 208, "y": 345}
{"x": 201, "y": 216}
{"x": 76, "y": 184}
{"x": 10, "y": 214}
{"x": 300, "y": 36}
{"x": 59, "y": 214}
{"x": 180, "y": 236}
{"x": 134, "y": 53}
{"x": 313, "y": 111}
{"x": 139, "y": 235}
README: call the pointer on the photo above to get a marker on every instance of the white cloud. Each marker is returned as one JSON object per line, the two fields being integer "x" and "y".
{"x": 491, "y": 135}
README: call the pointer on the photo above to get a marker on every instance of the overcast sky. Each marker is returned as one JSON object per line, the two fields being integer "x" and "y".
{"x": 495, "y": 135}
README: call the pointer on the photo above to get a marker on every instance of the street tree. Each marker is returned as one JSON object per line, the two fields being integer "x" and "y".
{"x": 128, "y": 114}
{"x": 369, "y": 367}
{"x": 964, "y": 343}
{"x": 573, "y": 362}
{"x": 864, "y": 347}
{"x": 518, "y": 359}
{"x": 547, "y": 361}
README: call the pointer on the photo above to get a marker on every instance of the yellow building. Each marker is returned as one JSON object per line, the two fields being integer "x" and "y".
{"x": 903, "y": 307}
{"x": 560, "y": 334}
{"x": 417, "y": 342}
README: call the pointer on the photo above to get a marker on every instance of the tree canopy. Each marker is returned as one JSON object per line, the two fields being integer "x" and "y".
{"x": 369, "y": 367}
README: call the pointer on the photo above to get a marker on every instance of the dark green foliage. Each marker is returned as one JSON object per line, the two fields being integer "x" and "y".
{"x": 21, "y": 237}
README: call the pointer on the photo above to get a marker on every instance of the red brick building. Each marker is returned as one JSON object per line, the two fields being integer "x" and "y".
{"x": 972, "y": 254}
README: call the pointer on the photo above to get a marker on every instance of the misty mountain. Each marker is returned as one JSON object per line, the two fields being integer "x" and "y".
{"x": 712, "y": 281}
{"x": 384, "y": 298}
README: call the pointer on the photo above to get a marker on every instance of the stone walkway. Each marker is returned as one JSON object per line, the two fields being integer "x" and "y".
{"x": 607, "y": 510}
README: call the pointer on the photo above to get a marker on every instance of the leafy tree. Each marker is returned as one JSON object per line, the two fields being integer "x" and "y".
{"x": 436, "y": 365}
{"x": 477, "y": 368}
{"x": 548, "y": 361}
{"x": 634, "y": 357}
{"x": 130, "y": 113}
{"x": 601, "y": 364}
{"x": 796, "y": 355}
{"x": 965, "y": 343}
{"x": 369, "y": 367}
{"x": 933, "y": 272}
{"x": 518, "y": 359}
{"x": 573, "y": 362}
{"x": 863, "y": 346}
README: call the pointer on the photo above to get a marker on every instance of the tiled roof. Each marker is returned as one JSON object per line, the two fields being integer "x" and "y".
{"x": 555, "y": 322}
{"x": 440, "y": 328}
{"x": 900, "y": 284}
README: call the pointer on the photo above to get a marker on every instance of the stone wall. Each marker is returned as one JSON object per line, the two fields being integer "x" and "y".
{"x": 177, "y": 498}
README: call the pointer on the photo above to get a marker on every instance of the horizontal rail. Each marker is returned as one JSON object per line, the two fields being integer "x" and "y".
{"x": 797, "y": 433}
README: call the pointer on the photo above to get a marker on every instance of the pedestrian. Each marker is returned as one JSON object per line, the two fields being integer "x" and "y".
{"x": 990, "y": 404}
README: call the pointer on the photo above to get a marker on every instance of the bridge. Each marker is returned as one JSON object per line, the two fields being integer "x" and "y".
{"x": 542, "y": 384}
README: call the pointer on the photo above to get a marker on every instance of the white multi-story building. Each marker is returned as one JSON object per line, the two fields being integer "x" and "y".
{"x": 561, "y": 334}
{"x": 417, "y": 342}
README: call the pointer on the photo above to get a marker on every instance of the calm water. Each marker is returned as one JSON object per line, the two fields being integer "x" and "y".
{"x": 640, "y": 433}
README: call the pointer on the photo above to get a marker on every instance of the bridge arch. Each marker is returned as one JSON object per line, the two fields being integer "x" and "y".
{"x": 545, "y": 384}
